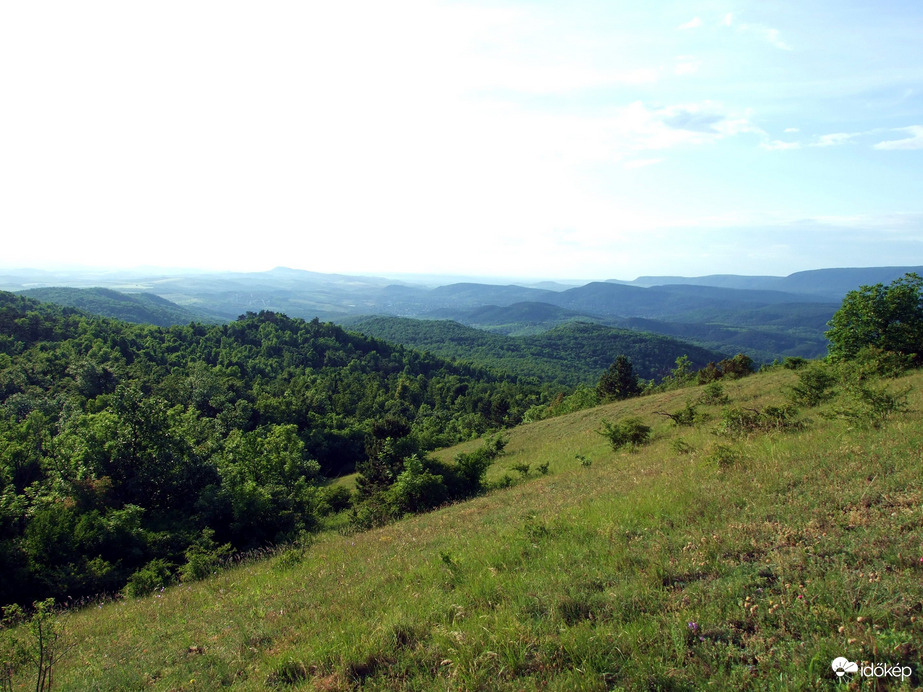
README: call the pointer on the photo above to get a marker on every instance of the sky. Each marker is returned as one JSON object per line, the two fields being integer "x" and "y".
{"x": 591, "y": 139}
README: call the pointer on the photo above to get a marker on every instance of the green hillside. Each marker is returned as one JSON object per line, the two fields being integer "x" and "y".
{"x": 570, "y": 354}
{"x": 138, "y": 308}
{"x": 767, "y": 317}
{"x": 745, "y": 551}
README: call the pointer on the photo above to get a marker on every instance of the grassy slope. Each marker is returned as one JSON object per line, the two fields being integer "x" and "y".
{"x": 587, "y": 578}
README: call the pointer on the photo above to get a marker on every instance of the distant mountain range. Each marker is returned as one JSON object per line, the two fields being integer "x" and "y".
{"x": 828, "y": 283}
{"x": 768, "y": 317}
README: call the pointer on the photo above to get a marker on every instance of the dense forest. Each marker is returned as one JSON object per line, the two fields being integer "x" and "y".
{"x": 131, "y": 449}
{"x": 570, "y": 354}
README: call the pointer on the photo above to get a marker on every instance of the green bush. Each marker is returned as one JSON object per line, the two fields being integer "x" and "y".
{"x": 713, "y": 395}
{"x": 204, "y": 557}
{"x": 869, "y": 404}
{"x": 630, "y": 432}
{"x": 156, "y": 574}
{"x": 746, "y": 421}
{"x": 416, "y": 489}
{"x": 686, "y": 416}
{"x": 740, "y": 365}
{"x": 815, "y": 386}
{"x": 337, "y": 498}
{"x": 724, "y": 456}
{"x": 878, "y": 362}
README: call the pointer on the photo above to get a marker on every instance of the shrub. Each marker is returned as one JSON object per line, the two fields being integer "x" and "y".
{"x": 686, "y": 416}
{"x": 815, "y": 386}
{"x": 680, "y": 446}
{"x": 522, "y": 468}
{"x": 204, "y": 557}
{"x": 630, "y": 432}
{"x": 466, "y": 477}
{"x": 369, "y": 514}
{"x": 290, "y": 558}
{"x": 337, "y": 498}
{"x": 713, "y": 394}
{"x": 740, "y": 365}
{"x": 878, "y": 362}
{"x": 724, "y": 456}
{"x": 871, "y": 404}
{"x": 156, "y": 574}
{"x": 416, "y": 489}
{"x": 746, "y": 421}
{"x": 39, "y": 640}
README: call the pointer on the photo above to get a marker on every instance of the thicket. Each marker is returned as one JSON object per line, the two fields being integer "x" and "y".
{"x": 134, "y": 455}
{"x": 420, "y": 483}
{"x": 630, "y": 432}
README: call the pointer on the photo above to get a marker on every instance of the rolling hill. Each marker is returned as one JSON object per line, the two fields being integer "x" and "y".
{"x": 137, "y": 308}
{"x": 745, "y": 561}
{"x": 769, "y": 317}
{"x": 570, "y": 354}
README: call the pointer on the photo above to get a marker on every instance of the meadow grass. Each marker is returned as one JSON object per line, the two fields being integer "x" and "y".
{"x": 741, "y": 561}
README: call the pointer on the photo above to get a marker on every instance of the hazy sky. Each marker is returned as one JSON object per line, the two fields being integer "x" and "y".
{"x": 586, "y": 139}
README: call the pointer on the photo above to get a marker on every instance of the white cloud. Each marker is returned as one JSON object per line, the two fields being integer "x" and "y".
{"x": 835, "y": 139}
{"x": 686, "y": 65}
{"x": 915, "y": 141}
{"x": 693, "y": 23}
{"x": 639, "y": 127}
{"x": 777, "y": 145}
{"x": 768, "y": 34}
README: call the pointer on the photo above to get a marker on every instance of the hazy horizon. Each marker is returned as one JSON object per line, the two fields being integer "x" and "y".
{"x": 86, "y": 274}
{"x": 470, "y": 138}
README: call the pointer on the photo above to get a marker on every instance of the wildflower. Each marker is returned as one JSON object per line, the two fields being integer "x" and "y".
{"x": 693, "y": 625}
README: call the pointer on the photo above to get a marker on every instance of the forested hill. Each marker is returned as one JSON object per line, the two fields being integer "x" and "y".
{"x": 120, "y": 444}
{"x": 570, "y": 354}
{"x": 139, "y": 308}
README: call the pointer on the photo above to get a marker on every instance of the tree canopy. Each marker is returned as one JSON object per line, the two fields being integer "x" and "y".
{"x": 889, "y": 318}
{"x": 124, "y": 449}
